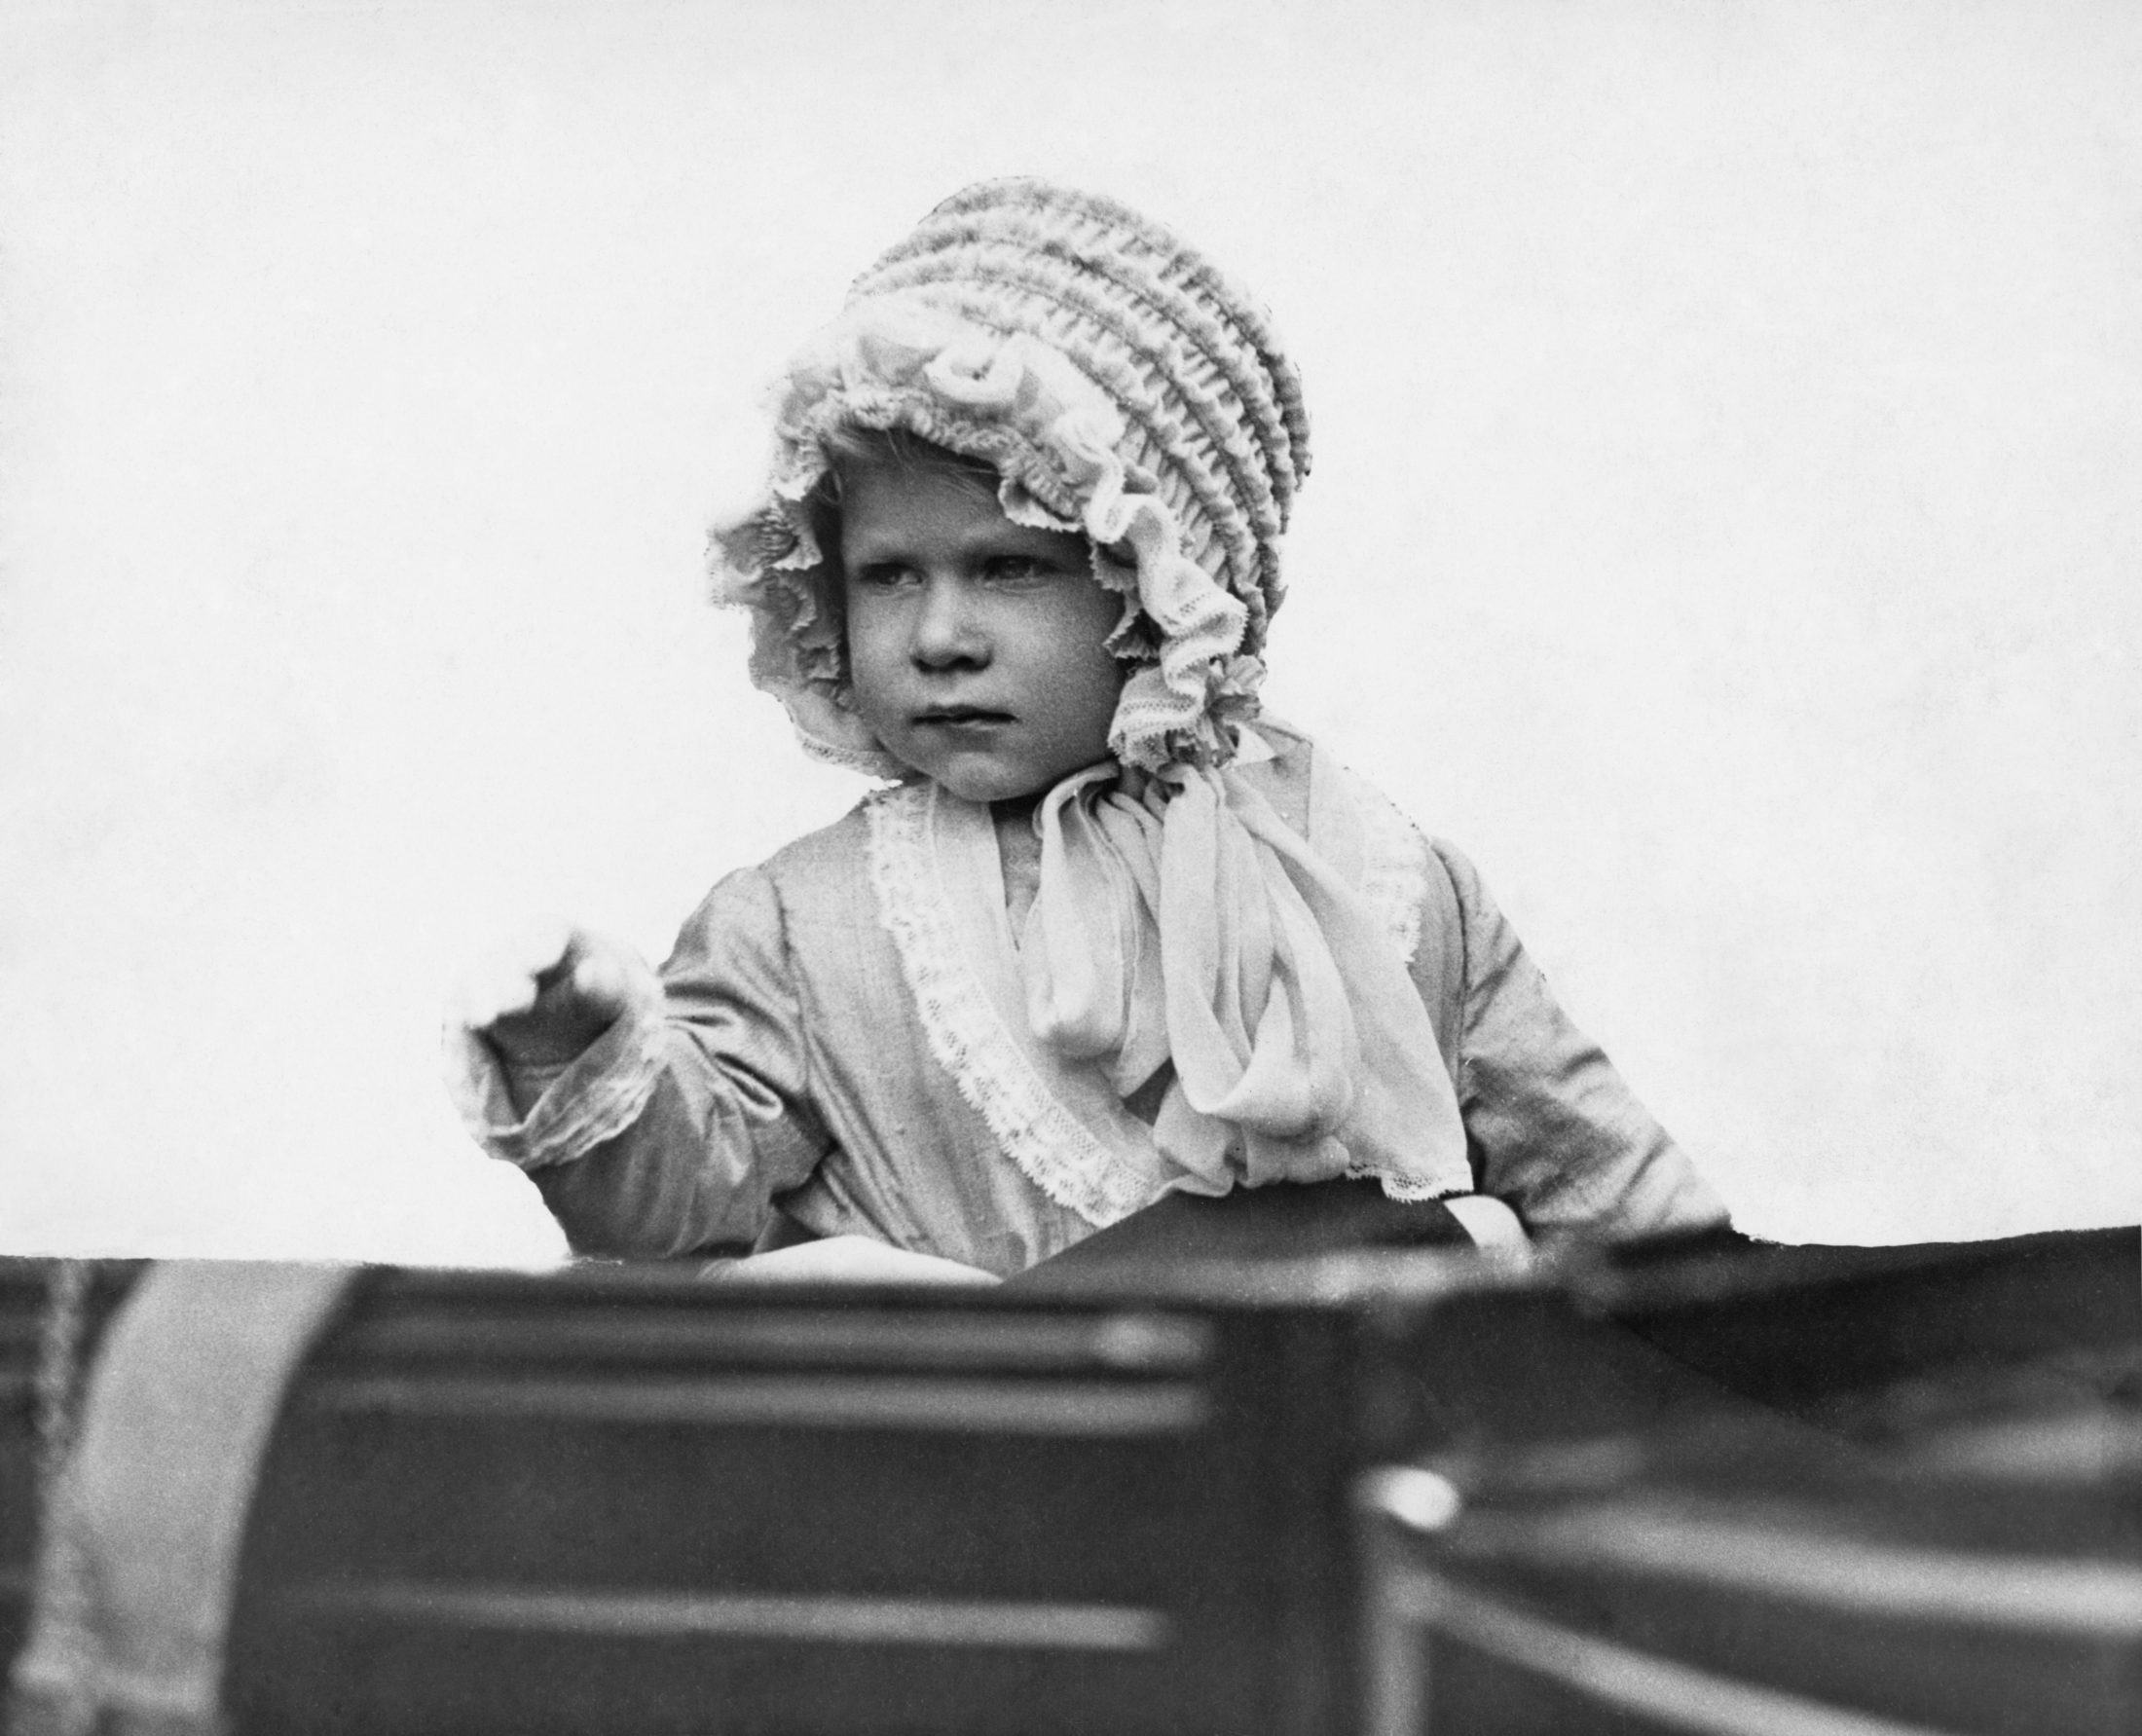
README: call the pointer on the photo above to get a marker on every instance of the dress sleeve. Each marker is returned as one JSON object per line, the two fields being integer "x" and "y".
{"x": 1550, "y": 1125}
{"x": 674, "y": 1130}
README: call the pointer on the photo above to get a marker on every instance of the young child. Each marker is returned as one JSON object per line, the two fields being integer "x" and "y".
{"x": 1110, "y": 932}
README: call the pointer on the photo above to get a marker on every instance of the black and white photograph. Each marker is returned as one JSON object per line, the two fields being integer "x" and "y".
{"x": 1024, "y": 869}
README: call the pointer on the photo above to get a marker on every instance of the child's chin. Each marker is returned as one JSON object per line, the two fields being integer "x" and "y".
{"x": 987, "y": 778}
{"x": 980, "y": 787}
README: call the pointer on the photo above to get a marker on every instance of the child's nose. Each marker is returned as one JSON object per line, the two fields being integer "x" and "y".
{"x": 946, "y": 629}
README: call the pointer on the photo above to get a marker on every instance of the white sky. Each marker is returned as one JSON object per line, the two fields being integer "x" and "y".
{"x": 1725, "y": 526}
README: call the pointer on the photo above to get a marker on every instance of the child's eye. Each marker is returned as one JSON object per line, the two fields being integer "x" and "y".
{"x": 1017, "y": 568}
{"x": 882, "y": 575}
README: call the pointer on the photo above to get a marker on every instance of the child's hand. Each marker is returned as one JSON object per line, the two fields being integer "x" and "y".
{"x": 547, "y": 992}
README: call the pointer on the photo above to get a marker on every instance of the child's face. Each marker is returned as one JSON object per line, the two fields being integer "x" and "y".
{"x": 976, "y": 646}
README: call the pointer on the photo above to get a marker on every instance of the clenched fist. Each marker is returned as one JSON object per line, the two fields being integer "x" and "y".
{"x": 547, "y": 992}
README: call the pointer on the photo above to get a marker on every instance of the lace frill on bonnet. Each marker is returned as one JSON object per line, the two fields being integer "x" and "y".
{"x": 1052, "y": 437}
{"x": 1120, "y": 388}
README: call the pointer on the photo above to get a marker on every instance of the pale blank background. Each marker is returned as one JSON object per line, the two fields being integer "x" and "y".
{"x": 1724, "y": 527}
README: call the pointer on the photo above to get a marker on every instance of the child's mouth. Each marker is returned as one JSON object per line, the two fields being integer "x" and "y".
{"x": 961, "y": 715}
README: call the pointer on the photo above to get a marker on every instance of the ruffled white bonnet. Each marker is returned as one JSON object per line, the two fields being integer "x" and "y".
{"x": 1120, "y": 385}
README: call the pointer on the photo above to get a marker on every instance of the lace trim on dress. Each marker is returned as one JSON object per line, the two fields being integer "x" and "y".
{"x": 1394, "y": 884}
{"x": 1054, "y": 1149}
{"x": 1395, "y": 864}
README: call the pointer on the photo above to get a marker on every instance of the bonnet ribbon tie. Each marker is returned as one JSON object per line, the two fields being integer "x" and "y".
{"x": 1189, "y": 923}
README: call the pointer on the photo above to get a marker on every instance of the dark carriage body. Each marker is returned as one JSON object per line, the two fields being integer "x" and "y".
{"x": 1128, "y": 1497}
{"x": 1931, "y": 1521}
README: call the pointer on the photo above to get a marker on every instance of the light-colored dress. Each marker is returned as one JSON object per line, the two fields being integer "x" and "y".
{"x": 840, "y": 1034}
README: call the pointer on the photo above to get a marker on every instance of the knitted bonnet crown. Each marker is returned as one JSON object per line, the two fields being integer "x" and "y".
{"x": 1120, "y": 385}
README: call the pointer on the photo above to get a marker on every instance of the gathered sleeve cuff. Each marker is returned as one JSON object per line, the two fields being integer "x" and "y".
{"x": 676, "y": 1130}
{"x": 572, "y": 1107}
